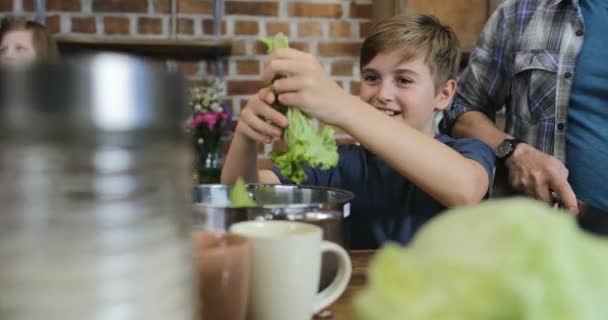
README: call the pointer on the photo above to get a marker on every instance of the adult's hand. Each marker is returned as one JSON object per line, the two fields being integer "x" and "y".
{"x": 538, "y": 174}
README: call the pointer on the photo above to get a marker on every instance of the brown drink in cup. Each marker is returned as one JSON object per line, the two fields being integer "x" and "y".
{"x": 223, "y": 268}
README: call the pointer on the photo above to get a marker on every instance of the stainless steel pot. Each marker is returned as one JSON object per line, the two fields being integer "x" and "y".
{"x": 324, "y": 207}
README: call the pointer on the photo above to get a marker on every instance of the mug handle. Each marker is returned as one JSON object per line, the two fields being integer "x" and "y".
{"x": 338, "y": 285}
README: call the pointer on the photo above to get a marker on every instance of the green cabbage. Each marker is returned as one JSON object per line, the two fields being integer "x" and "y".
{"x": 239, "y": 196}
{"x": 305, "y": 145}
{"x": 509, "y": 259}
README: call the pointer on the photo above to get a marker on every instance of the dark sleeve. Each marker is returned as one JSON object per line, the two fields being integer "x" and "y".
{"x": 478, "y": 151}
{"x": 314, "y": 176}
{"x": 485, "y": 82}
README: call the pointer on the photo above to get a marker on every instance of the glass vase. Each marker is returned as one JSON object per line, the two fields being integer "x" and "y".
{"x": 210, "y": 167}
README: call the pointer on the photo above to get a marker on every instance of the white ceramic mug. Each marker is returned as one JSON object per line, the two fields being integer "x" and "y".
{"x": 285, "y": 269}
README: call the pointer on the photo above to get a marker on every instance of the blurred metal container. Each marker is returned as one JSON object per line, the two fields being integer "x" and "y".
{"x": 95, "y": 192}
{"x": 324, "y": 207}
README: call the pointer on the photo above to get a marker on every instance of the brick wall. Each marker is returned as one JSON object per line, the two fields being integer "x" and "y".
{"x": 330, "y": 29}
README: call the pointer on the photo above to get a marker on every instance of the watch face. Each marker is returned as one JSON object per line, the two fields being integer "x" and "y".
{"x": 503, "y": 149}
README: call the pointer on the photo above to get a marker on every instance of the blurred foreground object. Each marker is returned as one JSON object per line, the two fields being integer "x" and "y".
{"x": 505, "y": 259}
{"x": 94, "y": 167}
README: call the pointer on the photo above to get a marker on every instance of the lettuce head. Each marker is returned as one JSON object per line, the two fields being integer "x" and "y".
{"x": 305, "y": 144}
{"x": 510, "y": 259}
{"x": 239, "y": 196}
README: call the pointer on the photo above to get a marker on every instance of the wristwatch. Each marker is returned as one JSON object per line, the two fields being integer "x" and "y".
{"x": 506, "y": 148}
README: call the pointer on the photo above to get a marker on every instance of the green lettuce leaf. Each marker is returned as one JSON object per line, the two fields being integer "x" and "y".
{"x": 507, "y": 259}
{"x": 305, "y": 144}
{"x": 239, "y": 196}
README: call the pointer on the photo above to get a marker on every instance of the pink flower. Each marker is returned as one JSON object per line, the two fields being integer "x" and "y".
{"x": 209, "y": 118}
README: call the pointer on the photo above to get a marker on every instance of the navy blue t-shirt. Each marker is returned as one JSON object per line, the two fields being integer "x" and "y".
{"x": 386, "y": 205}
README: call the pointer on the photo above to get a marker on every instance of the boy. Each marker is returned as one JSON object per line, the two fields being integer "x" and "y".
{"x": 402, "y": 175}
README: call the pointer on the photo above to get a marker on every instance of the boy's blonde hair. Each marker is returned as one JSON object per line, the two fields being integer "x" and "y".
{"x": 416, "y": 35}
{"x": 42, "y": 40}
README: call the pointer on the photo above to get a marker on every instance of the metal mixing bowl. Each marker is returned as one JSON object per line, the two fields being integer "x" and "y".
{"x": 321, "y": 206}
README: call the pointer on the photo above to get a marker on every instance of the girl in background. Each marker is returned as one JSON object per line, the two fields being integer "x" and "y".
{"x": 23, "y": 42}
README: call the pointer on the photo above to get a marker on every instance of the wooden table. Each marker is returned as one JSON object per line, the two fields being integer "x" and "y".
{"x": 343, "y": 308}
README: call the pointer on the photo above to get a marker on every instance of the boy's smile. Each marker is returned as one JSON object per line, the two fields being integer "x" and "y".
{"x": 402, "y": 89}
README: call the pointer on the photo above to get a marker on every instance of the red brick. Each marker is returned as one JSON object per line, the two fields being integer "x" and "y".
{"x": 244, "y": 87}
{"x": 279, "y": 146}
{"x": 185, "y": 26}
{"x": 6, "y": 6}
{"x": 361, "y": 11}
{"x": 264, "y": 164}
{"x": 340, "y": 30}
{"x": 246, "y": 28}
{"x": 53, "y": 23}
{"x": 302, "y": 46}
{"x": 84, "y": 25}
{"x": 342, "y": 68}
{"x": 120, "y": 5}
{"x": 189, "y": 68}
{"x": 149, "y": 25}
{"x": 52, "y": 5}
{"x": 194, "y": 6}
{"x": 314, "y": 10}
{"x": 252, "y": 8}
{"x": 208, "y": 26}
{"x": 116, "y": 25}
{"x": 248, "y": 67}
{"x": 365, "y": 29}
{"x": 273, "y": 28}
{"x": 451, "y": 13}
{"x": 238, "y": 48}
{"x": 335, "y": 49}
{"x": 162, "y": 6}
{"x": 260, "y": 48}
{"x": 310, "y": 29}
{"x": 261, "y": 148}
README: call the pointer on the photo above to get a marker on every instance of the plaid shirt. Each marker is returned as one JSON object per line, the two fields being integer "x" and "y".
{"x": 525, "y": 60}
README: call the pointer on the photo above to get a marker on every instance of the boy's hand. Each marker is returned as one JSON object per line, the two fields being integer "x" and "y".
{"x": 259, "y": 121}
{"x": 306, "y": 85}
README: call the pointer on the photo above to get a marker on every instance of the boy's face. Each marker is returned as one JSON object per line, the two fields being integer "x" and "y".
{"x": 17, "y": 48}
{"x": 404, "y": 90}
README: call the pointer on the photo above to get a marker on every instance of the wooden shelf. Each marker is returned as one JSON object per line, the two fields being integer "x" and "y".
{"x": 193, "y": 50}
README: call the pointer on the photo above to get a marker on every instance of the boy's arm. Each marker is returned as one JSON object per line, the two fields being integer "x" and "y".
{"x": 253, "y": 128}
{"x": 435, "y": 168}
{"x": 241, "y": 161}
{"x": 475, "y": 124}
{"x": 443, "y": 173}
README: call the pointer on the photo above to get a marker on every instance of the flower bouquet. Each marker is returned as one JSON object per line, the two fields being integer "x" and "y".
{"x": 208, "y": 124}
